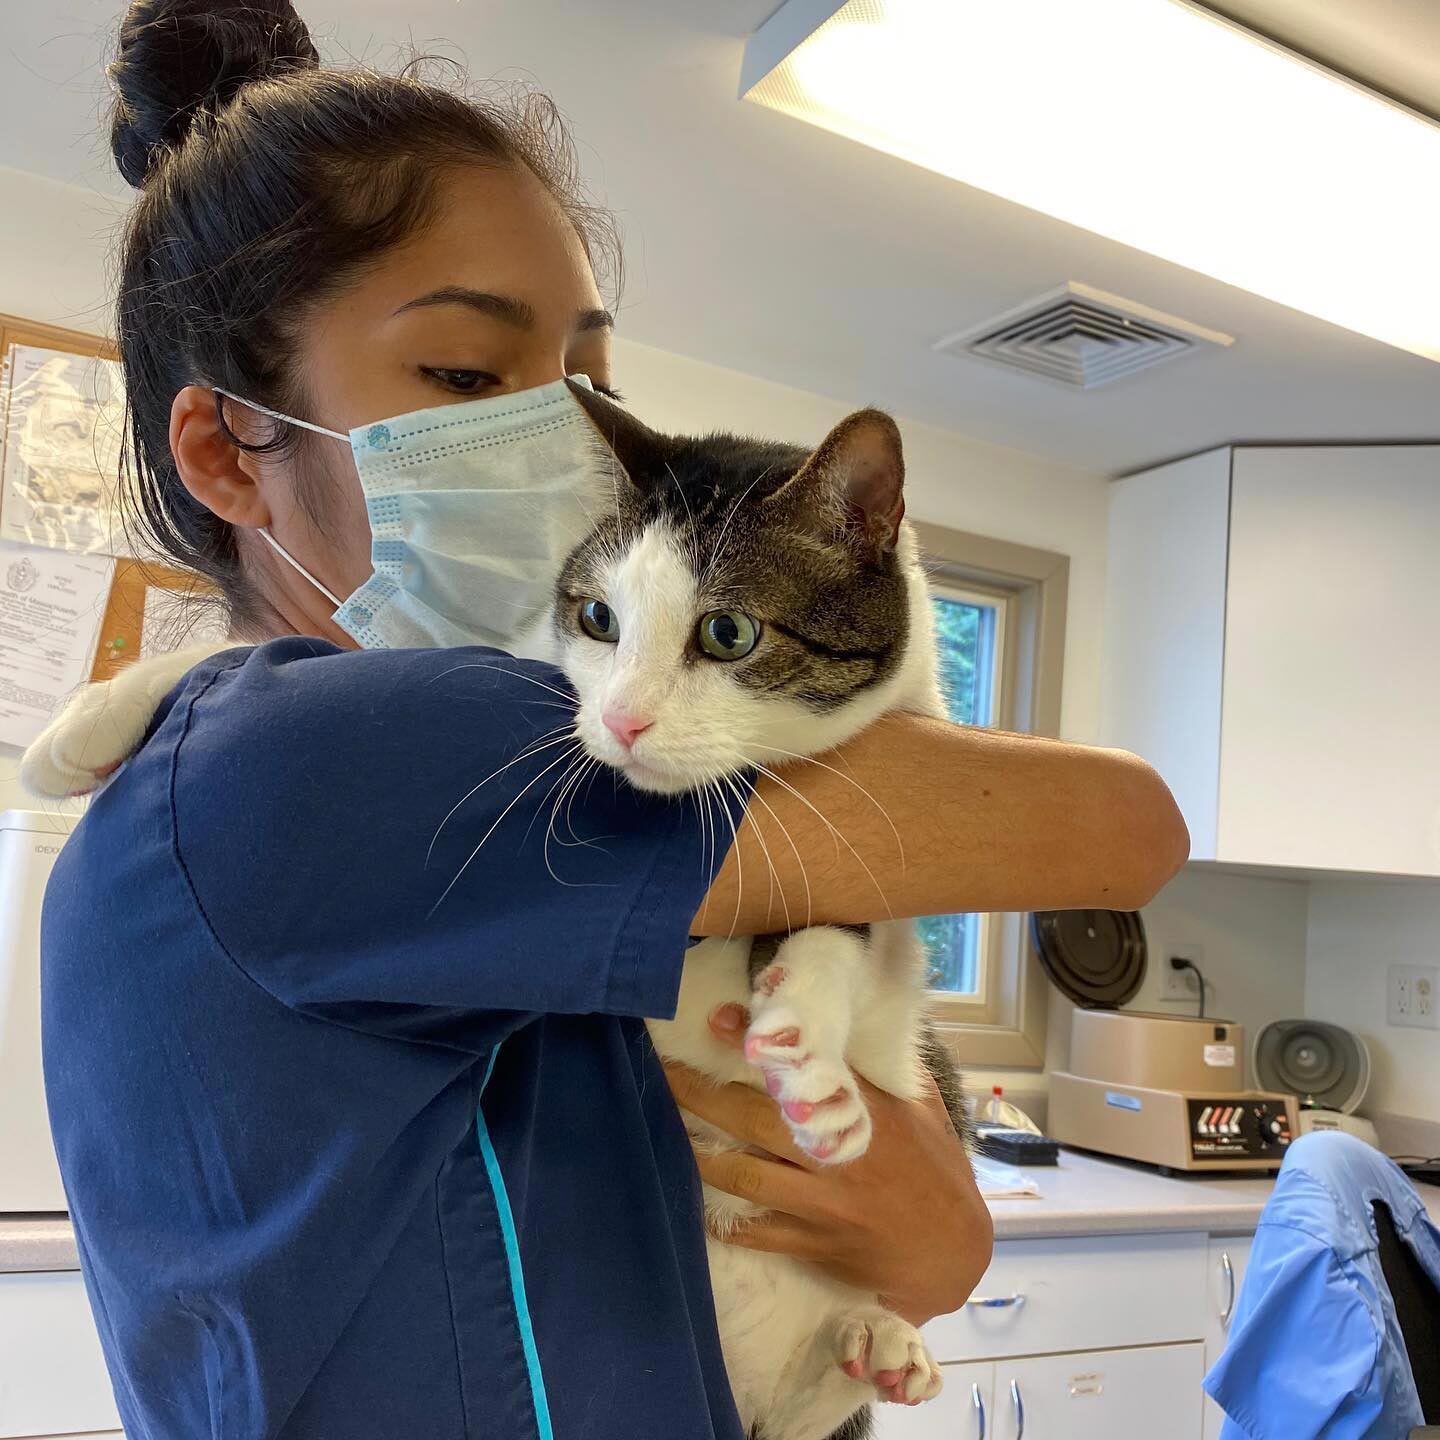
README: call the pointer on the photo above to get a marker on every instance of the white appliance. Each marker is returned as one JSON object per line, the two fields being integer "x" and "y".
{"x": 29, "y": 1176}
{"x": 1326, "y": 1067}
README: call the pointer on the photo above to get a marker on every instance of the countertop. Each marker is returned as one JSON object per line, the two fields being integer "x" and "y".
{"x": 37, "y": 1242}
{"x": 1083, "y": 1195}
{"x": 1086, "y": 1195}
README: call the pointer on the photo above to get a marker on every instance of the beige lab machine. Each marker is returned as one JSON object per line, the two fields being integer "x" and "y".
{"x": 1166, "y": 1091}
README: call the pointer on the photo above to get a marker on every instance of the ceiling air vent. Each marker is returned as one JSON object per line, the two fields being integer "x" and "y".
{"x": 1081, "y": 337}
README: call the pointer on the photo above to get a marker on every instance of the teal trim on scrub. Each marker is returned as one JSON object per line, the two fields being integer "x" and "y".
{"x": 512, "y": 1260}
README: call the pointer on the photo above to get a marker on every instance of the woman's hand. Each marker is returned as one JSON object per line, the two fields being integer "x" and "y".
{"x": 905, "y": 1221}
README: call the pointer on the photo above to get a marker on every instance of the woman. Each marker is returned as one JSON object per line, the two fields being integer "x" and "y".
{"x": 343, "y": 1162}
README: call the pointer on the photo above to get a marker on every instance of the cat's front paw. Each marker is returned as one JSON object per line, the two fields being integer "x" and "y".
{"x": 818, "y": 1094}
{"x": 880, "y": 1349}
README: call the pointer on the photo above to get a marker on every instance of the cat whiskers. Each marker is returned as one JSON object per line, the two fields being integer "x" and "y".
{"x": 824, "y": 820}
{"x": 495, "y": 825}
{"x": 732, "y": 784}
{"x": 849, "y": 780}
{"x": 795, "y": 850}
{"x": 566, "y": 786}
{"x": 547, "y": 741}
{"x": 715, "y": 548}
{"x": 513, "y": 674}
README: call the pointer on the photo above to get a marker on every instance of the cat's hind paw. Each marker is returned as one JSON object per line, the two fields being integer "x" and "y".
{"x": 877, "y": 1347}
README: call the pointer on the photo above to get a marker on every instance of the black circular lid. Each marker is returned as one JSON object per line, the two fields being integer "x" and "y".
{"x": 1095, "y": 957}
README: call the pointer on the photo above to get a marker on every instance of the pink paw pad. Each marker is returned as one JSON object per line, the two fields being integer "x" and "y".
{"x": 757, "y": 1045}
{"x": 770, "y": 980}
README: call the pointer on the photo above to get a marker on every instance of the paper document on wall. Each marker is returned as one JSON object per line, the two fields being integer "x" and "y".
{"x": 51, "y": 606}
{"x": 64, "y": 418}
{"x": 175, "y": 619}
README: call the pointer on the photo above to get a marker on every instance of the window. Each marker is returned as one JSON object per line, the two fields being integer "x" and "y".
{"x": 970, "y": 631}
{"x": 1000, "y": 625}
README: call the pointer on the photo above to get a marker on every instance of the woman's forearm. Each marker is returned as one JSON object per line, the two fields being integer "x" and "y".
{"x": 918, "y": 817}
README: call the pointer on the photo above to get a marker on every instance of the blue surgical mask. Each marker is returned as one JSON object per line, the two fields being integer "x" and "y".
{"x": 473, "y": 508}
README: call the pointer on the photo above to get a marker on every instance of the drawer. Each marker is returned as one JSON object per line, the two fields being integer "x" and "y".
{"x": 52, "y": 1375}
{"x": 1041, "y": 1297}
{"x": 1150, "y": 1394}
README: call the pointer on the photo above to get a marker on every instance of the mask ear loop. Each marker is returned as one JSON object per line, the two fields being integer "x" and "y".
{"x": 290, "y": 560}
{"x": 264, "y": 530}
{"x": 277, "y": 415}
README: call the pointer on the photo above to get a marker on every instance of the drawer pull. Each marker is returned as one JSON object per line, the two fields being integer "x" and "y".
{"x": 1228, "y": 1271}
{"x": 996, "y": 1302}
{"x": 1019, "y": 1405}
{"x": 978, "y": 1402}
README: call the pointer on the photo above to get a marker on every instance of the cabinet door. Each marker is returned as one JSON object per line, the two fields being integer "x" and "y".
{"x": 1149, "y": 1394}
{"x": 1228, "y": 1257}
{"x": 1165, "y": 629}
{"x": 1331, "y": 682}
{"x": 52, "y": 1374}
{"x": 961, "y": 1411}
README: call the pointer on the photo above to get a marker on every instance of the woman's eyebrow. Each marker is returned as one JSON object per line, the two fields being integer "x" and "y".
{"x": 502, "y": 307}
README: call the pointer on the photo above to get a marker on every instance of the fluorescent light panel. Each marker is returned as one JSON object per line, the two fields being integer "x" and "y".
{"x": 1145, "y": 121}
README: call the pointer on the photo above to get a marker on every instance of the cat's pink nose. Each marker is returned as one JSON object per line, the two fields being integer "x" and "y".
{"x": 625, "y": 727}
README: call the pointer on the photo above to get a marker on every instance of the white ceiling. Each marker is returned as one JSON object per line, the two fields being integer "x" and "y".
{"x": 759, "y": 243}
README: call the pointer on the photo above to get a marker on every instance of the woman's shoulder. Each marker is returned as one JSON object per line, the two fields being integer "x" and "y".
{"x": 302, "y": 686}
{"x": 297, "y": 713}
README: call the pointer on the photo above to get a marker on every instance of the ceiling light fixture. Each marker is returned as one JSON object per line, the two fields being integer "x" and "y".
{"x": 1150, "y": 122}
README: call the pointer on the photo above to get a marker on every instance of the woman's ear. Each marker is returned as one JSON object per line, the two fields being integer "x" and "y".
{"x": 216, "y": 471}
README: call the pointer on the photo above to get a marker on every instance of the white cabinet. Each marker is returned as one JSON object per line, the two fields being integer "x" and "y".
{"x": 1228, "y": 1257}
{"x": 963, "y": 1410}
{"x": 52, "y": 1374}
{"x": 1044, "y": 1296}
{"x": 1147, "y": 1394}
{"x": 1273, "y": 648}
{"x": 1071, "y": 1337}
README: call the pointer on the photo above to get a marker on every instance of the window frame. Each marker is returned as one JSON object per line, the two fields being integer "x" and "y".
{"x": 1005, "y": 1024}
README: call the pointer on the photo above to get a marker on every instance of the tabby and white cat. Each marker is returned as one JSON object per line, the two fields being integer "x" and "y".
{"x": 742, "y": 604}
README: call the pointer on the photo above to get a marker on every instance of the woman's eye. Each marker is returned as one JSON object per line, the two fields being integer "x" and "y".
{"x": 598, "y": 621}
{"x": 460, "y": 382}
{"x": 728, "y": 634}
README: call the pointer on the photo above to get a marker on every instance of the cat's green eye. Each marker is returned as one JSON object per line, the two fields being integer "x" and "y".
{"x": 728, "y": 634}
{"x": 599, "y": 621}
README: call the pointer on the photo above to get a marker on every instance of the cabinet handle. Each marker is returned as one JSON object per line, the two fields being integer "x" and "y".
{"x": 1228, "y": 1271}
{"x": 1019, "y": 1405}
{"x": 996, "y": 1302}
{"x": 978, "y": 1402}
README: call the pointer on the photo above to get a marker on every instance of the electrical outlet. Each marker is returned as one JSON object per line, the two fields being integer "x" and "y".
{"x": 1181, "y": 985}
{"x": 1411, "y": 996}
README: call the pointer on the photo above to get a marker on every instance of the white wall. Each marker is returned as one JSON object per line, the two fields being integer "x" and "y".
{"x": 1357, "y": 930}
{"x": 1252, "y": 934}
{"x": 55, "y": 244}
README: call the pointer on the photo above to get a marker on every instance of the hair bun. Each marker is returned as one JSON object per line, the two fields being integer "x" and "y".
{"x": 178, "y": 57}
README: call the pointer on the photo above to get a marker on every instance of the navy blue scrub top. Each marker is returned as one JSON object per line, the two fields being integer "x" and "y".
{"x": 344, "y": 1164}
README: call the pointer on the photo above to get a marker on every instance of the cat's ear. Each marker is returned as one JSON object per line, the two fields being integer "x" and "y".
{"x": 639, "y": 449}
{"x": 855, "y": 480}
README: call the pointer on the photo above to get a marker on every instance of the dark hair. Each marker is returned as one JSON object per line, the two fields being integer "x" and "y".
{"x": 266, "y": 183}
